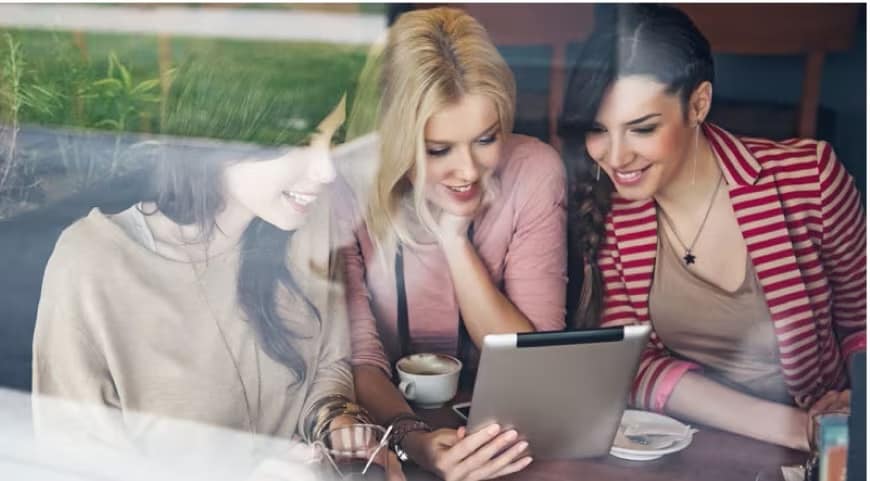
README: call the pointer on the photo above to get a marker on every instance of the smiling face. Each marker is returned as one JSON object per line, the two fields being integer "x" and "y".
{"x": 463, "y": 146}
{"x": 281, "y": 190}
{"x": 641, "y": 137}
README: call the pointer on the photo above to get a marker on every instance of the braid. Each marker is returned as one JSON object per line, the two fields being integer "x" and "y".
{"x": 589, "y": 205}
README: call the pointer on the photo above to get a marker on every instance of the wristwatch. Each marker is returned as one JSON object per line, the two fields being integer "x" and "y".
{"x": 402, "y": 425}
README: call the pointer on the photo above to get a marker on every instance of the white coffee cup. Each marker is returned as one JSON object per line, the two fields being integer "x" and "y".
{"x": 429, "y": 380}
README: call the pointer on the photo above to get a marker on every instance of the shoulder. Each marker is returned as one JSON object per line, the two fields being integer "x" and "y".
{"x": 532, "y": 171}
{"x": 776, "y": 155}
{"x": 86, "y": 245}
{"x": 356, "y": 165}
{"x": 530, "y": 160}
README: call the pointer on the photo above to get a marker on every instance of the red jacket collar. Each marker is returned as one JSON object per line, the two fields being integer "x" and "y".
{"x": 738, "y": 164}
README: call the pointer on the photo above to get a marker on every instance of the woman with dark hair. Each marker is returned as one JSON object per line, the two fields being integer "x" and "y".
{"x": 747, "y": 255}
{"x": 213, "y": 299}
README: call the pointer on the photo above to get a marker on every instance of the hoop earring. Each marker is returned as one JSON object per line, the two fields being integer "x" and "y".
{"x": 597, "y": 171}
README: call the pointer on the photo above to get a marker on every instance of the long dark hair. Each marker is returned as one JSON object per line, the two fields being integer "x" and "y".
{"x": 639, "y": 39}
{"x": 217, "y": 102}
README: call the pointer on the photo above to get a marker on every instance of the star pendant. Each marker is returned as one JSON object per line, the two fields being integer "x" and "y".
{"x": 689, "y": 258}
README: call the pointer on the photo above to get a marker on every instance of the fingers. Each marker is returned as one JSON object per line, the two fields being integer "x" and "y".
{"x": 482, "y": 458}
{"x": 468, "y": 445}
{"x": 507, "y": 460}
{"x": 845, "y": 399}
{"x": 824, "y": 403}
{"x": 514, "y": 467}
{"x": 831, "y": 401}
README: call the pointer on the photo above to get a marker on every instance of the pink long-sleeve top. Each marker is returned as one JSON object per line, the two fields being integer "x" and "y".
{"x": 520, "y": 238}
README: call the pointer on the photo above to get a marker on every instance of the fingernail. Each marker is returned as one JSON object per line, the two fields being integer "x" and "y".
{"x": 510, "y": 435}
{"x": 522, "y": 446}
{"x": 493, "y": 430}
{"x": 528, "y": 460}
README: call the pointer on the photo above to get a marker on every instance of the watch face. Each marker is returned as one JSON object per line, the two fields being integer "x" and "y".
{"x": 400, "y": 453}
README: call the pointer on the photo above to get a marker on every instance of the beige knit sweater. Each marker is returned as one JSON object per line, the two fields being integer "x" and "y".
{"x": 122, "y": 326}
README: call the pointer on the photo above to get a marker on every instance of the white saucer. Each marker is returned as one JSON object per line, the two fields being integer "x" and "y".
{"x": 641, "y": 452}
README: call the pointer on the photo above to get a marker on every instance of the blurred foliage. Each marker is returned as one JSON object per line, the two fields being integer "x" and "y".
{"x": 21, "y": 93}
{"x": 254, "y": 91}
{"x": 307, "y": 75}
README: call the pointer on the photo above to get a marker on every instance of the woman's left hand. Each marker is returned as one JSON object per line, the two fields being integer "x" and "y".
{"x": 452, "y": 229}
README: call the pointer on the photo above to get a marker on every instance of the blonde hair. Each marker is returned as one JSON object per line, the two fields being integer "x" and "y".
{"x": 432, "y": 59}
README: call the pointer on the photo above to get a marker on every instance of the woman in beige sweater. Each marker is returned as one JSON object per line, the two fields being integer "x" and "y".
{"x": 212, "y": 300}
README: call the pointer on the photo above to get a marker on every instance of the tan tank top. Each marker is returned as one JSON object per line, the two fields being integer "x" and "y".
{"x": 729, "y": 333}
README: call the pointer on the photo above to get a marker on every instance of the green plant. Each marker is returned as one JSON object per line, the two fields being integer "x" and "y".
{"x": 89, "y": 104}
{"x": 20, "y": 91}
{"x": 125, "y": 100}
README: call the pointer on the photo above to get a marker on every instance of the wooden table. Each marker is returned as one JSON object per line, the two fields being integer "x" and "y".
{"x": 713, "y": 456}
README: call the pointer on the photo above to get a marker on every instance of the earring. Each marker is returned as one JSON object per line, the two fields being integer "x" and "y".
{"x": 597, "y": 172}
{"x": 695, "y": 154}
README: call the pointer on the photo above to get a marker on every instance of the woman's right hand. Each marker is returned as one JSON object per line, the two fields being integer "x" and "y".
{"x": 831, "y": 402}
{"x": 454, "y": 455}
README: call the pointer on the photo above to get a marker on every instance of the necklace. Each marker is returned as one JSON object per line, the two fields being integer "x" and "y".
{"x": 202, "y": 293}
{"x": 248, "y": 409}
{"x": 689, "y": 258}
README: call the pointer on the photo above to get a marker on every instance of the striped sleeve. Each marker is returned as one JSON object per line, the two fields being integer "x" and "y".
{"x": 658, "y": 371}
{"x": 844, "y": 244}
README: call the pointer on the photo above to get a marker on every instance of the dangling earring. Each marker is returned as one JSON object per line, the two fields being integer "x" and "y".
{"x": 597, "y": 171}
{"x": 695, "y": 154}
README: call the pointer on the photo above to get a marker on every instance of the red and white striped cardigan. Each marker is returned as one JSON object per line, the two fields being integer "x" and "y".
{"x": 803, "y": 223}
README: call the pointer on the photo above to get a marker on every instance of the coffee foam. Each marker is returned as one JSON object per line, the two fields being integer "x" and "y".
{"x": 428, "y": 364}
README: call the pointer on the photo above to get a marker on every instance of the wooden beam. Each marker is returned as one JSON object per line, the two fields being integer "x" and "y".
{"x": 775, "y": 29}
{"x": 810, "y": 94}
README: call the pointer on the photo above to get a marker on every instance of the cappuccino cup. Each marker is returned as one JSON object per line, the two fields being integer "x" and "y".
{"x": 428, "y": 380}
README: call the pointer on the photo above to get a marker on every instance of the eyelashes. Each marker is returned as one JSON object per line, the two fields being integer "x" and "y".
{"x": 438, "y": 152}
{"x": 647, "y": 129}
{"x": 641, "y": 130}
{"x": 443, "y": 151}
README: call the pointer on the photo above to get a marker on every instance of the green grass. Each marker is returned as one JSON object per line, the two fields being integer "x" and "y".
{"x": 297, "y": 83}
{"x": 373, "y": 8}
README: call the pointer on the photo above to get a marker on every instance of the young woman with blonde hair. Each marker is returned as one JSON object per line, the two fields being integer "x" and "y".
{"x": 464, "y": 231}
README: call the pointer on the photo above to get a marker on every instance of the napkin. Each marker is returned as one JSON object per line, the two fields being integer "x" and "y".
{"x": 793, "y": 473}
{"x": 657, "y": 435}
{"x": 679, "y": 431}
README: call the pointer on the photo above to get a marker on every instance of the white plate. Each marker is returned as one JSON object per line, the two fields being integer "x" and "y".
{"x": 632, "y": 416}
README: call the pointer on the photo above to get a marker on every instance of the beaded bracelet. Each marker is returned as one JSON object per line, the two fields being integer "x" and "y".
{"x": 404, "y": 424}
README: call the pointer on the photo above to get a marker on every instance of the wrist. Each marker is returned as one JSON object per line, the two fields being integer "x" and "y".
{"x": 452, "y": 243}
{"x": 331, "y": 410}
{"x": 784, "y": 425}
{"x": 413, "y": 445}
{"x": 800, "y": 436}
{"x": 404, "y": 425}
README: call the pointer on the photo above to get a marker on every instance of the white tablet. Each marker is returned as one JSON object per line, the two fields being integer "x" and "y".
{"x": 563, "y": 391}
